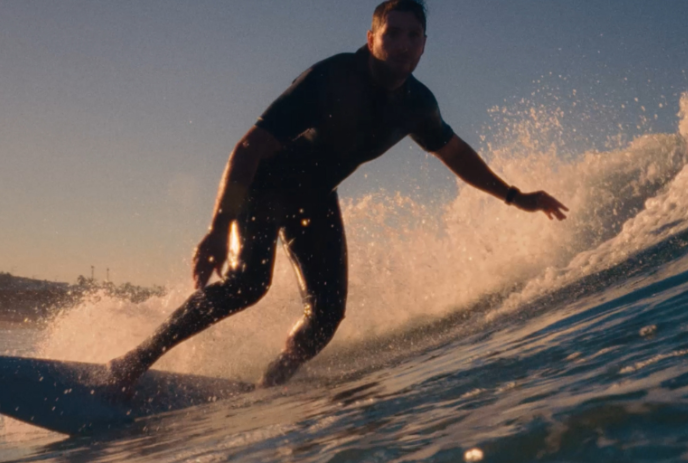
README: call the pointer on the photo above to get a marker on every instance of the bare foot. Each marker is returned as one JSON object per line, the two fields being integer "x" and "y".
{"x": 123, "y": 372}
{"x": 279, "y": 371}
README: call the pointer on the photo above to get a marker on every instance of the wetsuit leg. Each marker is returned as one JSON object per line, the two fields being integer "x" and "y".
{"x": 315, "y": 242}
{"x": 243, "y": 287}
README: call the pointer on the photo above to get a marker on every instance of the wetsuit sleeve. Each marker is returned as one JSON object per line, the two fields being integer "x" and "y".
{"x": 431, "y": 132}
{"x": 295, "y": 110}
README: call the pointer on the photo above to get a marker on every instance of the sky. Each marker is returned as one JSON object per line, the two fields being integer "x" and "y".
{"x": 116, "y": 118}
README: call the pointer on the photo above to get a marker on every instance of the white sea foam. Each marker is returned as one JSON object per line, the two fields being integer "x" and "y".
{"x": 410, "y": 260}
{"x": 683, "y": 117}
{"x": 656, "y": 189}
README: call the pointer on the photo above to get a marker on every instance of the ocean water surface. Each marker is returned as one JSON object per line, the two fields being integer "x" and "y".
{"x": 474, "y": 332}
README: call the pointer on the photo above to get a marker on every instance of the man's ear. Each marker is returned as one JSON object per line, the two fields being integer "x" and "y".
{"x": 371, "y": 40}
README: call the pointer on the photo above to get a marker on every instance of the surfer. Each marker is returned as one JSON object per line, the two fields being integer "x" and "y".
{"x": 281, "y": 181}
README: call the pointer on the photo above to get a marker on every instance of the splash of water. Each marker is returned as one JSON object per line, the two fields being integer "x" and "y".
{"x": 412, "y": 261}
{"x": 648, "y": 179}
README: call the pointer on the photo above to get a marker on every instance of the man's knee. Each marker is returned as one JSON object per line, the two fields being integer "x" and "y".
{"x": 235, "y": 294}
{"x": 328, "y": 321}
{"x": 327, "y": 307}
{"x": 251, "y": 292}
{"x": 324, "y": 317}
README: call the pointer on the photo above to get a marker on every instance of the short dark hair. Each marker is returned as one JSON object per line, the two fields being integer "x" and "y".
{"x": 415, "y": 7}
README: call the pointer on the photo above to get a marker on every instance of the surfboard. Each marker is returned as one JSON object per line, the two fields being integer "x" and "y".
{"x": 72, "y": 397}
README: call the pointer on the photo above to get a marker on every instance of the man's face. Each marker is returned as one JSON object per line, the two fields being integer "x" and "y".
{"x": 399, "y": 43}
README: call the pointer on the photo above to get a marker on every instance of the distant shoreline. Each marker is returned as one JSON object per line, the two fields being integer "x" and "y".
{"x": 29, "y": 300}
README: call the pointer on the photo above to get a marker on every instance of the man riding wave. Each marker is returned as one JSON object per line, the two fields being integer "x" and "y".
{"x": 281, "y": 182}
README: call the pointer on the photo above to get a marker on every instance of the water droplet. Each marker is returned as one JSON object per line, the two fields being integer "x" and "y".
{"x": 647, "y": 331}
{"x": 474, "y": 454}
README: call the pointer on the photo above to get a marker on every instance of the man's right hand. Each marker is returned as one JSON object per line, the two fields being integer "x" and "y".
{"x": 210, "y": 254}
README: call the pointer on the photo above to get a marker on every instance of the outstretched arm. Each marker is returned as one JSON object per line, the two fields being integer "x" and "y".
{"x": 211, "y": 253}
{"x": 469, "y": 167}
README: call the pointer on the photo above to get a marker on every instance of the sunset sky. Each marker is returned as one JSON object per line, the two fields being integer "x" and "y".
{"x": 117, "y": 117}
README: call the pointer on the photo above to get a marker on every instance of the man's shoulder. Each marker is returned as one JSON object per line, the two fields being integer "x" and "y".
{"x": 323, "y": 72}
{"x": 338, "y": 63}
{"x": 419, "y": 93}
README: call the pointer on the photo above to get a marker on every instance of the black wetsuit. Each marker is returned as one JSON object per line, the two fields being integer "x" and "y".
{"x": 330, "y": 120}
{"x": 333, "y": 118}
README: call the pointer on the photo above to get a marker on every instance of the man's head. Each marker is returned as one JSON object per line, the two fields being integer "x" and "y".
{"x": 415, "y": 7}
{"x": 397, "y": 38}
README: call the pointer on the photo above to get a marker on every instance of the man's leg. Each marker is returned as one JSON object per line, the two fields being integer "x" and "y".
{"x": 243, "y": 287}
{"x": 315, "y": 242}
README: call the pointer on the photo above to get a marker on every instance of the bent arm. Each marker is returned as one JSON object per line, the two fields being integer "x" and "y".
{"x": 469, "y": 167}
{"x": 211, "y": 253}
{"x": 461, "y": 159}
{"x": 241, "y": 167}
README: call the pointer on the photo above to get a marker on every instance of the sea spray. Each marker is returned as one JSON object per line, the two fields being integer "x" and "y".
{"x": 411, "y": 261}
{"x": 683, "y": 117}
{"x": 650, "y": 178}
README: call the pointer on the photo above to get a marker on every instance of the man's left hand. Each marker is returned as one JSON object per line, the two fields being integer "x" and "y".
{"x": 540, "y": 201}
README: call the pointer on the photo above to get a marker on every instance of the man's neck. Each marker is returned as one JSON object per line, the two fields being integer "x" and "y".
{"x": 382, "y": 77}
